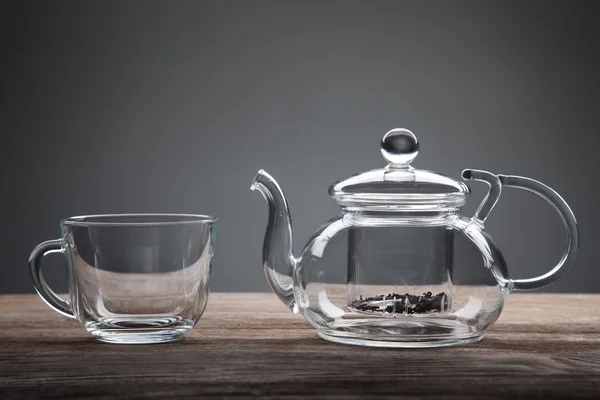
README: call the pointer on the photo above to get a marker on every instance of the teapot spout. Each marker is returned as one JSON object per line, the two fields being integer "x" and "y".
{"x": 278, "y": 257}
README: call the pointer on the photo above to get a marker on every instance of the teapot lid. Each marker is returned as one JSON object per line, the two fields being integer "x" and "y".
{"x": 399, "y": 185}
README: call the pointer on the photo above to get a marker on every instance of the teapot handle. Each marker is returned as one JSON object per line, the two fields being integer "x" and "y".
{"x": 496, "y": 183}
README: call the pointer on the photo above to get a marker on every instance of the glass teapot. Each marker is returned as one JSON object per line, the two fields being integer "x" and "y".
{"x": 383, "y": 272}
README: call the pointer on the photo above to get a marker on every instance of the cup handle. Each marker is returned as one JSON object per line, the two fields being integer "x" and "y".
{"x": 497, "y": 183}
{"x": 35, "y": 268}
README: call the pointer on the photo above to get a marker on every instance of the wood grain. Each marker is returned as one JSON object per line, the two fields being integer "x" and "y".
{"x": 248, "y": 344}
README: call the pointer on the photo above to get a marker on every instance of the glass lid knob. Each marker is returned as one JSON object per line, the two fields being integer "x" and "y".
{"x": 399, "y": 147}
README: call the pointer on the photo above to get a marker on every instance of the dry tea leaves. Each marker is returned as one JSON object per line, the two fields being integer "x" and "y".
{"x": 394, "y": 303}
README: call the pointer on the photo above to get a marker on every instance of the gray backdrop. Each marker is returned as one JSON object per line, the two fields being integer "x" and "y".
{"x": 111, "y": 107}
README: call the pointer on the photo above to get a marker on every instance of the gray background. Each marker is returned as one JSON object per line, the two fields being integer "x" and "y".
{"x": 111, "y": 107}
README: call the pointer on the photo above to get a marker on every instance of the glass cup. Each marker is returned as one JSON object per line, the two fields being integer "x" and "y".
{"x": 133, "y": 278}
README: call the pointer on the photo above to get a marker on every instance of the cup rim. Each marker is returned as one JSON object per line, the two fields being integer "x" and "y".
{"x": 145, "y": 219}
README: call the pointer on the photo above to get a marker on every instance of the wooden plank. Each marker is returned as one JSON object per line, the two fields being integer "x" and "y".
{"x": 248, "y": 344}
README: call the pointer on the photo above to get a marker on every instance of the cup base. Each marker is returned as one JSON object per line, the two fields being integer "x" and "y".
{"x": 164, "y": 336}
{"x": 139, "y": 330}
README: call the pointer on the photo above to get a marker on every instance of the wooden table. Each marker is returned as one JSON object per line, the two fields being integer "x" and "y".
{"x": 543, "y": 346}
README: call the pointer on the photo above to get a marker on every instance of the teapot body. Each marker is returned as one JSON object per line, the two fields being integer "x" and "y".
{"x": 392, "y": 279}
